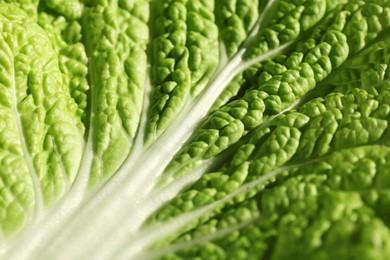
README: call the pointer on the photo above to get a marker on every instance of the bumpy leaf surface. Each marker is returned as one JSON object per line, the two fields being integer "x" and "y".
{"x": 194, "y": 129}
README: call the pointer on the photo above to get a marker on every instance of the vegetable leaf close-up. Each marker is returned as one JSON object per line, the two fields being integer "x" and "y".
{"x": 194, "y": 129}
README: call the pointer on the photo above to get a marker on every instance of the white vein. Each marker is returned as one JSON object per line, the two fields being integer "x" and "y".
{"x": 153, "y": 254}
{"x": 26, "y": 154}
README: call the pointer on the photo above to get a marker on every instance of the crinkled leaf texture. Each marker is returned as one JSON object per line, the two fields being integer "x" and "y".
{"x": 194, "y": 129}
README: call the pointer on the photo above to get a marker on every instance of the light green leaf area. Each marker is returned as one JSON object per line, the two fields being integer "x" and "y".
{"x": 29, "y": 6}
{"x": 194, "y": 129}
{"x": 41, "y": 145}
{"x": 66, "y": 39}
{"x": 115, "y": 38}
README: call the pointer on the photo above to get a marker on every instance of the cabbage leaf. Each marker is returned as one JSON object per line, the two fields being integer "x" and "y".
{"x": 194, "y": 129}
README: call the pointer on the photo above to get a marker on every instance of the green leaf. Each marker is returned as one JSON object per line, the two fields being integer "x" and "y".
{"x": 194, "y": 129}
{"x": 41, "y": 145}
{"x": 116, "y": 47}
{"x": 184, "y": 56}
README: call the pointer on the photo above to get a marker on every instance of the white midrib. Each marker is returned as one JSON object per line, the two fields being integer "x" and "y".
{"x": 130, "y": 244}
{"x": 127, "y": 189}
{"x": 132, "y": 189}
{"x": 138, "y": 214}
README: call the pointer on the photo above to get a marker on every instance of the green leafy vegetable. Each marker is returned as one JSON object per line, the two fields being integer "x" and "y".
{"x": 194, "y": 129}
